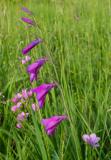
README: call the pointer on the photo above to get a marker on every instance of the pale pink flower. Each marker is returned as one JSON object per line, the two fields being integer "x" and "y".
{"x": 22, "y": 116}
{"x": 30, "y": 93}
{"x": 23, "y": 61}
{"x": 19, "y": 125}
{"x": 17, "y": 98}
{"x": 24, "y": 94}
{"x": 27, "y": 58}
{"x": 16, "y": 107}
{"x": 35, "y": 107}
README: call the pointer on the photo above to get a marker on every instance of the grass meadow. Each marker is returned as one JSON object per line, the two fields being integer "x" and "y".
{"x": 77, "y": 40}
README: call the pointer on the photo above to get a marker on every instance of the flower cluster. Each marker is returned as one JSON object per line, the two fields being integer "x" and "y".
{"x": 20, "y": 99}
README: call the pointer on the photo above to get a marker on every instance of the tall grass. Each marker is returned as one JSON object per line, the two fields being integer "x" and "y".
{"x": 77, "y": 38}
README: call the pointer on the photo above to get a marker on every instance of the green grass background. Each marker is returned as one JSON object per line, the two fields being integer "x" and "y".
{"x": 77, "y": 40}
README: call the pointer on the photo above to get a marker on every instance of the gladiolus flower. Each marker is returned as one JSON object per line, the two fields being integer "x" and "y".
{"x": 22, "y": 116}
{"x": 27, "y": 20}
{"x": 26, "y": 10}
{"x": 51, "y": 124}
{"x": 31, "y": 45}
{"x": 91, "y": 139}
{"x": 34, "y": 68}
{"x": 42, "y": 91}
{"x": 16, "y": 107}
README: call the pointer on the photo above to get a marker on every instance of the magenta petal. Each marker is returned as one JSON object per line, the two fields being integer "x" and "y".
{"x": 32, "y": 77}
{"x": 51, "y": 131}
{"x": 31, "y": 45}
{"x": 41, "y": 101}
{"x": 27, "y": 20}
{"x": 45, "y": 122}
{"x": 55, "y": 120}
{"x": 42, "y": 91}
{"x": 33, "y": 69}
{"x": 51, "y": 123}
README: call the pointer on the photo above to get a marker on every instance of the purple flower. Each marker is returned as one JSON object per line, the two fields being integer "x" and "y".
{"x": 34, "y": 68}
{"x": 16, "y": 107}
{"x": 22, "y": 116}
{"x": 27, "y": 20}
{"x": 26, "y": 10}
{"x": 31, "y": 45}
{"x": 91, "y": 139}
{"x": 42, "y": 91}
{"x": 51, "y": 123}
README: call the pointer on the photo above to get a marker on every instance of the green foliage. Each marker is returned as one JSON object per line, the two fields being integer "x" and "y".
{"x": 77, "y": 38}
